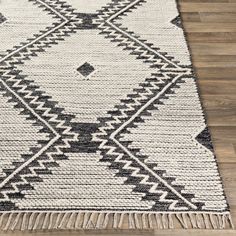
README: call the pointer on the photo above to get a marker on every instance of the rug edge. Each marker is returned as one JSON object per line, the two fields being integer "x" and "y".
{"x": 178, "y": 7}
{"x": 72, "y": 220}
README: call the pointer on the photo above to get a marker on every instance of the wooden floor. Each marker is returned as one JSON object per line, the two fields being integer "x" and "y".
{"x": 211, "y": 31}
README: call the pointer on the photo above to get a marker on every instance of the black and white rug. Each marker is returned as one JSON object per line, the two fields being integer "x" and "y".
{"x": 101, "y": 125}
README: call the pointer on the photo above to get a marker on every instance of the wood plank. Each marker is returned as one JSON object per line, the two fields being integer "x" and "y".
{"x": 225, "y": 152}
{"x": 206, "y": 1}
{"x": 227, "y": 65}
{"x": 208, "y": 27}
{"x": 219, "y": 102}
{"x": 217, "y": 87}
{"x": 219, "y": 17}
{"x": 217, "y": 73}
{"x": 208, "y": 7}
{"x": 220, "y": 109}
{"x": 191, "y": 17}
{"x": 212, "y": 37}
{"x": 223, "y": 134}
{"x": 213, "y": 48}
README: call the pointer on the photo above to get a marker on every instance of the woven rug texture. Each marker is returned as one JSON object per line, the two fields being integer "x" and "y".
{"x": 101, "y": 125}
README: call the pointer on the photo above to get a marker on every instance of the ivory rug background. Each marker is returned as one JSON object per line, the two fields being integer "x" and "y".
{"x": 101, "y": 123}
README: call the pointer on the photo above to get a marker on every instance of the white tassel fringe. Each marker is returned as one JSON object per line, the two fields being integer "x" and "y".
{"x": 113, "y": 220}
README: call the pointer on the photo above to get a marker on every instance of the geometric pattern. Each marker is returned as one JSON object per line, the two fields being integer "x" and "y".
{"x": 85, "y": 69}
{"x": 100, "y": 113}
{"x": 153, "y": 23}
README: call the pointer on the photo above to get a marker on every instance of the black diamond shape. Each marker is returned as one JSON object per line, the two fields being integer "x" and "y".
{"x": 177, "y": 21}
{"x": 85, "y": 69}
{"x": 2, "y": 18}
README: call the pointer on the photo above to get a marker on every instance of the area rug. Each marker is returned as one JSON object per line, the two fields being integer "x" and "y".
{"x": 101, "y": 123}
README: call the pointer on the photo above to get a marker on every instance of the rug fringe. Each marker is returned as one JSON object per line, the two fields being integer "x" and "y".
{"x": 115, "y": 220}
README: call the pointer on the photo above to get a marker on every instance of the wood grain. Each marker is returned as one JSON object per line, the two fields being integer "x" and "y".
{"x": 211, "y": 30}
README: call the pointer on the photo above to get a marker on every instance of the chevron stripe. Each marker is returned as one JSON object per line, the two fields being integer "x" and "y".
{"x": 32, "y": 102}
{"x": 112, "y": 128}
{"x": 129, "y": 41}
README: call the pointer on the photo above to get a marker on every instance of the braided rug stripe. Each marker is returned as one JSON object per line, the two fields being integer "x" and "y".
{"x": 101, "y": 125}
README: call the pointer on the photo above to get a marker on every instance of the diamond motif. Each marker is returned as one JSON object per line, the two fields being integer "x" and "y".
{"x": 86, "y": 69}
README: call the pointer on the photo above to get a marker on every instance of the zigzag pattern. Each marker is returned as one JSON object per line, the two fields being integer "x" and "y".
{"x": 137, "y": 151}
{"x": 63, "y": 136}
{"x": 146, "y": 53}
{"x": 129, "y": 41}
{"x": 119, "y": 160}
